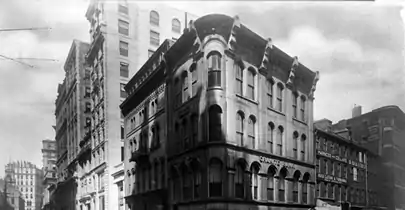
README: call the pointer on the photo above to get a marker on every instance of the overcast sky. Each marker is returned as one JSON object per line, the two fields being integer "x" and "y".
{"x": 356, "y": 47}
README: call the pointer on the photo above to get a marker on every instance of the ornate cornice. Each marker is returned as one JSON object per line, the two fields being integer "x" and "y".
{"x": 294, "y": 67}
{"x": 232, "y": 38}
{"x": 314, "y": 83}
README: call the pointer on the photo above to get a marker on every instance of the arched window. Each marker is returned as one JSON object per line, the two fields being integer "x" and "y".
{"x": 270, "y": 130}
{"x": 303, "y": 146}
{"x": 176, "y": 26}
{"x": 281, "y": 185}
{"x": 239, "y": 79}
{"x": 177, "y": 88}
{"x": 270, "y": 182}
{"x": 194, "y": 77}
{"x": 305, "y": 180}
{"x": 302, "y": 109}
{"x": 186, "y": 184}
{"x": 154, "y": 18}
{"x": 194, "y": 128}
{"x": 280, "y": 97}
{"x": 239, "y": 128}
{"x": 184, "y": 86}
{"x": 215, "y": 123}
{"x": 197, "y": 182}
{"x": 122, "y": 132}
{"x": 186, "y": 139}
{"x": 269, "y": 86}
{"x": 176, "y": 184}
{"x": 250, "y": 93}
{"x": 294, "y": 104}
{"x": 251, "y": 131}
{"x": 254, "y": 169}
{"x": 215, "y": 178}
{"x": 240, "y": 181}
{"x": 295, "y": 145}
{"x": 214, "y": 69}
{"x": 280, "y": 140}
{"x": 156, "y": 175}
{"x": 296, "y": 178}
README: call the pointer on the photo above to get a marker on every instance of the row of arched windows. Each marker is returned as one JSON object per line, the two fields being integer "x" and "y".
{"x": 274, "y": 136}
{"x": 247, "y": 183}
{"x": 154, "y": 19}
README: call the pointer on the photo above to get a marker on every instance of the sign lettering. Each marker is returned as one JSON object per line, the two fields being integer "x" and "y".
{"x": 277, "y": 163}
{"x": 330, "y": 178}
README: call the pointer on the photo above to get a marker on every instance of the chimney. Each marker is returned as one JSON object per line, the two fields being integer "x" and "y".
{"x": 323, "y": 124}
{"x": 356, "y": 111}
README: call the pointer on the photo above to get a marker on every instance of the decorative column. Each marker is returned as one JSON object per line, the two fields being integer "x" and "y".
{"x": 288, "y": 190}
{"x": 231, "y": 183}
{"x": 300, "y": 187}
{"x": 276, "y": 184}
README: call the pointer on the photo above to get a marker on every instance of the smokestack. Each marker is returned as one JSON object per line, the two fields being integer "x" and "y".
{"x": 356, "y": 111}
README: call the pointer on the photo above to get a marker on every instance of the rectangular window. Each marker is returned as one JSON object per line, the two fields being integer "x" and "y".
{"x": 122, "y": 154}
{"x": 123, "y": 9}
{"x": 123, "y": 27}
{"x": 294, "y": 105}
{"x": 250, "y": 92}
{"x": 355, "y": 174}
{"x": 124, "y": 70}
{"x": 269, "y": 94}
{"x": 123, "y": 94}
{"x": 194, "y": 77}
{"x": 150, "y": 53}
{"x": 124, "y": 48}
{"x": 102, "y": 206}
{"x": 87, "y": 92}
{"x": 214, "y": 70}
{"x": 154, "y": 38}
{"x": 303, "y": 109}
{"x": 239, "y": 80}
{"x": 279, "y": 98}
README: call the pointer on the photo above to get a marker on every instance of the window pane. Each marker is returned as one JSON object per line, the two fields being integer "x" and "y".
{"x": 154, "y": 38}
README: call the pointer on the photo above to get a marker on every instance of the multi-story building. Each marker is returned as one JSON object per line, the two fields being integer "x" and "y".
{"x": 123, "y": 35}
{"x": 27, "y": 179}
{"x": 48, "y": 168}
{"x": 72, "y": 116}
{"x": 146, "y": 134}
{"x": 236, "y": 123}
{"x": 342, "y": 168}
{"x": 381, "y": 132}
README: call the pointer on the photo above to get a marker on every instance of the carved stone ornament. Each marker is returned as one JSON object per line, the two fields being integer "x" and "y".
{"x": 197, "y": 41}
{"x": 266, "y": 54}
{"x": 294, "y": 66}
{"x": 232, "y": 37}
{"x": 316, "y": 79}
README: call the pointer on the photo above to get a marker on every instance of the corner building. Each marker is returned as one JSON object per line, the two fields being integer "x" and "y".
{"x": 239, "y": 123}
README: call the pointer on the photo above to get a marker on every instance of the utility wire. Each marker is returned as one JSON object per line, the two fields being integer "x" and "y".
{"x": 26, "y": 29}
{"x": 40, "y": 59}
{"x": 20, "y": 62}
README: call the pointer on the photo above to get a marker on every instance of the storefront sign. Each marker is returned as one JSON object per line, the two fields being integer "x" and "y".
{"x": 357, "y": 164}
{"x": 336, "y": 157}
{"x": 330, "y": 178}
{"x": 277, "y": 163}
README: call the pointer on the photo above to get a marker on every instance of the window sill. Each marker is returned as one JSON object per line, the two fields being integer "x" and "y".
{"x": 273, "y": 110}
{"x": 300, "y": 121}
{"x": 247, "y": 99}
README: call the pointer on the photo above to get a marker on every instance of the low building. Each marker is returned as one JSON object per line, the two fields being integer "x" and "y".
{"x": 28, "y": 180}
{"x": 224, "y": 122}
{"x": 382, "y": 132}
{"x": 10, "y": 197}
{"x": 341, "y": 168}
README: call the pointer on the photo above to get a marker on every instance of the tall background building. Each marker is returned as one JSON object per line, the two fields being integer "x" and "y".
{"x": 28, "y": 180}
{"x": 72, "y": 111}
{"x": 123, "y": 35}
{"x": 234, "y": 115}
{"x": 48, "y": 168}
{"x": 382, "y": 133}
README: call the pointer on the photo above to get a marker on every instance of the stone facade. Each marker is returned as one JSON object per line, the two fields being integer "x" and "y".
{"x": 239, "y": 118}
